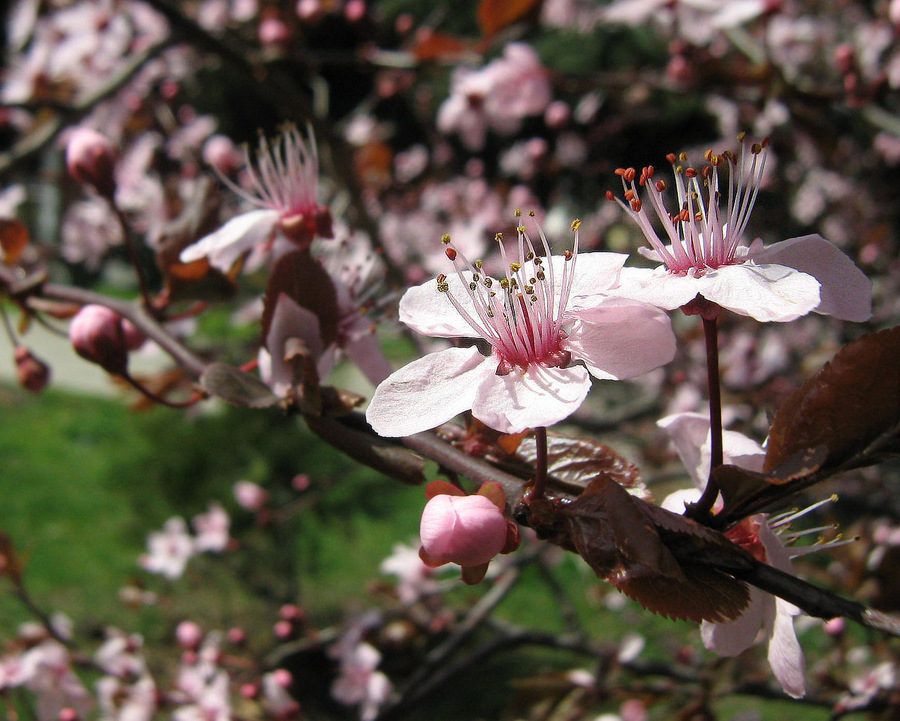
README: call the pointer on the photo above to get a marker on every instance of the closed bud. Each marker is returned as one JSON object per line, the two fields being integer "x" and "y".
{"x": 32, "y": 373}
{"x": 466, "y": 530}
{"x": 99, "y": 335}
{"x": 91, "y": 159}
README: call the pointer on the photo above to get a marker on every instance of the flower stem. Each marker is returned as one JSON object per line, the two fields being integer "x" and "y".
{"x": 711, "y": 492}
{"x": 540, "y": 466}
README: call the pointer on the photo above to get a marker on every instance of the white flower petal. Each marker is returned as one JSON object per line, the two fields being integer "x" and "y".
{"x": 765, "y": 292}
{"x": 537, "y": 397}
{"x": 620, "y": 339}
{"x": 428, "y": 392}
{"x": 688, "y": 432}
{"x": 594, "y": 272}
{"x": 734, "y": 637}
{"x": 224, "y": 246}
{"x": 785, "y": 655}
{"x": 428, "y": 311}
{"x": 846, "y": 292}
{"x": 656, "y": 286}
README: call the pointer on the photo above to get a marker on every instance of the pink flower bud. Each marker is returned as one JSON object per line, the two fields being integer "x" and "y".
{"x": 282, "y": 677}
{"x": 237, "y": 636}
{"x": 250, "y": 496}
{"x": 91, "y": 158}
{"x": 283, "y": 630}
{"x": 189, "y": 635}
{"x": 466, "y": 530}
{"x": 274, "y": 32}
{"x": 98, "y": 334}
{"x": 32, "y": 373}
{"x": 222, "y": 154}
{"x": 68, "y": 714}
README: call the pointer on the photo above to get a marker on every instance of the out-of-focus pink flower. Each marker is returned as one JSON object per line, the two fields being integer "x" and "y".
{"x": 279, "y": 702}
{"x": 702, "y": 251}
{"x": 497, "y": 97}
{"x": 91, "y": 159}
{"x": 127, "y": 702}
{"x": 544, "y": 316}
{"x": 359, "y": 683}
{"x": 102, "y": 336}
{"x": 47, "y": 672}
{"x": 416, "y": 578}
{"x": 212, "y": 703}
{"x": 169, "y": 550}
{"x": 283, "y": 185}
{"x": 250, "y": 495}
{"x": 121, "y": 654}
{"x": 189, "y": 635}
{"x": 212, "y": 529}
{"x": 767, "y": 618}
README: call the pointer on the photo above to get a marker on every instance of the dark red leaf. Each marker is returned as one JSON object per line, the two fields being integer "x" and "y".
{"x": 845, "y": 407}
{"x": 495, "y": 15}
{"x": 303, "y": 279}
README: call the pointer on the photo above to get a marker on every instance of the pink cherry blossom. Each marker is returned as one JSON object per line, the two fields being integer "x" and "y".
{"x": 549, "y": 327}
{"x": 359, "y": 683}
{"x": 212, "y": 529}
{"x": 767, "y": 618}
{"x": 169, "y": 550}
{"x": 702, "y": 250}
{"x": 283, "y": 185}
{"x": 496, "y": 97}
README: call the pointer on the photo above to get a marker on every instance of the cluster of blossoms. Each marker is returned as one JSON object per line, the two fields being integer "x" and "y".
{"x": 169, "y": 550}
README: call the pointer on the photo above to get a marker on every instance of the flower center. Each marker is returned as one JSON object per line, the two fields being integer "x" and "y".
{"x": 705, "y": 233}
{"x": 521, "y": 314}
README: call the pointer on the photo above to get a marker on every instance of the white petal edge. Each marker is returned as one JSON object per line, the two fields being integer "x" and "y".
{"x": 224, "y": 246}
{"x": 846, "y": 291}
{"x": 428, "y": 392}
{"x": 537, "y": 397}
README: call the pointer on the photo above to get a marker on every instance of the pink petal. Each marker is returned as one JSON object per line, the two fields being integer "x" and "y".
{"x": 846, "y": 292}
{"x": 368, "y": 356}
{"x": 224, "y": 246}
{"x": 428, "y": 392}
{"x": 688, "y": 432}
{"x": 538, "y": 397}
{"x": 620, "y": 339}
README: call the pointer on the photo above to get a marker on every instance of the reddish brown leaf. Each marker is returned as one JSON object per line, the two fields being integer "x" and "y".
{"x": 14, "y": 240}
{"x": 433, "y": 46}
{"x": 298, "y": 275}
{"x": 495, "y": 15}
{"x": 654, "y": 556}
{"x": 578, "y": 461}
{"x": 844, "y": 407}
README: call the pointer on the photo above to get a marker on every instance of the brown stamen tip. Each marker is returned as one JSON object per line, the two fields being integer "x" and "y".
{"x": 630, "y": 174}
{"x": 672, "y": 158}
{"x": 690, "y": 172}
{"x": 567, "y": 255}
{"x": 661, "y": 185}
{"x": 610, "y": 195}
{"x": 450, "y": 253}
{"x": 636, "y": 205}
{"x": 576, "y": 224}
